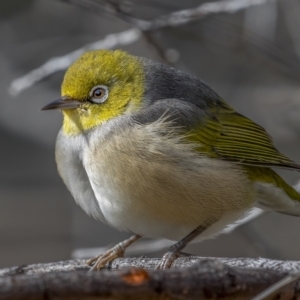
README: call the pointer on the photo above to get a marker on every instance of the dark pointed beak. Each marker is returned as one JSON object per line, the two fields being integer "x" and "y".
{"x": 63, "y": 103}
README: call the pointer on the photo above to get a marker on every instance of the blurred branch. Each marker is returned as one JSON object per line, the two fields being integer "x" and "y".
{"x": 174, "y": 19}
{"x": 130, "y": 36}
{"x": 107, "y": 9}
{"x": 60, "y": 63}
{"x": 201, "y": 279}
{"x": 183, "y": 17}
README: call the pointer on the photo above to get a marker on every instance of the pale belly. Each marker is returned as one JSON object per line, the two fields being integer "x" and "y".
{"x": 124, "y": 215}
{"x": 152, "y": 186}
{"x": 168, "y": 207}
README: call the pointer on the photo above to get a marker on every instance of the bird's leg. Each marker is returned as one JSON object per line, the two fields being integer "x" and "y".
{"x": 118, "y": 250}
{"x": 174, "y": 250}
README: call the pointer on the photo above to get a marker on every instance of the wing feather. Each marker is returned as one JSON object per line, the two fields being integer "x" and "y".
{"x": 231, "y": 136}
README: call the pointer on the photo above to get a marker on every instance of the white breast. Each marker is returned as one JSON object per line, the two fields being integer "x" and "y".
{"x": 155, "y": 185}
{"x": 68, "y": 154}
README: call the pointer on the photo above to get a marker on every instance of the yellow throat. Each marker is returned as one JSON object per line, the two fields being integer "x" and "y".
{"x": 123, "y": 75}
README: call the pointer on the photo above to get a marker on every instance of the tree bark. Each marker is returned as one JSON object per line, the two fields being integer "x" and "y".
{"x": 134, "y": 278}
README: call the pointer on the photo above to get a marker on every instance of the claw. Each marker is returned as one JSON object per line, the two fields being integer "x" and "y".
{"x": 99, "y": 262}
{"x": 174, "y": 250}
{"x": 167, "y": 260}
{"x": 91, "y": 261}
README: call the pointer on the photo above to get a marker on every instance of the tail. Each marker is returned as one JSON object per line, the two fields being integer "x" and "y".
{"x": 273, "y": 193}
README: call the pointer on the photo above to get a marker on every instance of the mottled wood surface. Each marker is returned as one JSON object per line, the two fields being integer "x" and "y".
{"x": 136, "y": 278}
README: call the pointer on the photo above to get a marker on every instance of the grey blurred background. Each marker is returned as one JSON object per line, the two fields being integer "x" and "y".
{"x": 251, "y": 58}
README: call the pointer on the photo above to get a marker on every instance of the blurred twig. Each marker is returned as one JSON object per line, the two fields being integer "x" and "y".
{"x": 178, "y": 18}
{"x": 183, "y": 17}
{"x": 173, "y": 19}
{"x": 60, "y": 63}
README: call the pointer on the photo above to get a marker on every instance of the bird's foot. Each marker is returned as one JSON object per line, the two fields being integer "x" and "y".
{"x": 168, "y": 259}
{"x": 101, "y": 260}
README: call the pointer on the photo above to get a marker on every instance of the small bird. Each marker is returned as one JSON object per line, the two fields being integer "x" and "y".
{"x": 154, "y": 151}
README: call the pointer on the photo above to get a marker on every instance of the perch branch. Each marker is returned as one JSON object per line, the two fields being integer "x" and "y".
{"x": 203, "y": 279}
{"x": 279, "y": 266}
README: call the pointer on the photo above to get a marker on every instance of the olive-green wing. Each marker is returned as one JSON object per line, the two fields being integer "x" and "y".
{"x": 231, "y": 136}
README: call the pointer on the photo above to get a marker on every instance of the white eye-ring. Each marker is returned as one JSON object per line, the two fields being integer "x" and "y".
{"x": 99, "y": 93}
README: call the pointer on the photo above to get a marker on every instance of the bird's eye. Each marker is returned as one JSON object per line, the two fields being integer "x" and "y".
{"x": 99, "y": 93}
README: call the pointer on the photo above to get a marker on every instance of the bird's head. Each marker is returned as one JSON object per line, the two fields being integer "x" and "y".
{"x": 99, "y": 86}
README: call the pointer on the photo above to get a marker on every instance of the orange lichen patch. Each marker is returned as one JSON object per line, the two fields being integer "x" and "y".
{"x": 136, "y": 276}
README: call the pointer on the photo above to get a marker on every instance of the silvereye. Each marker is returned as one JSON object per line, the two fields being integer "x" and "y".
{"x": 152, "y": 150}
